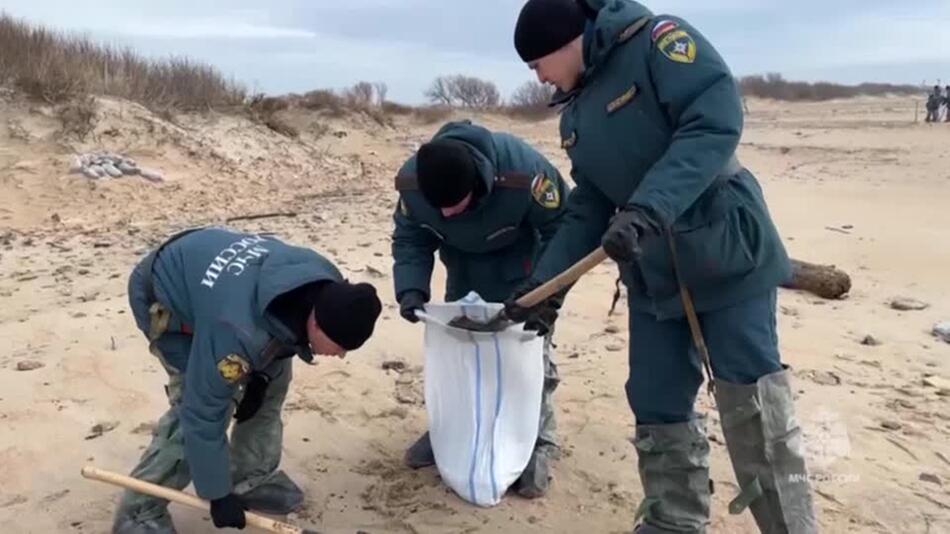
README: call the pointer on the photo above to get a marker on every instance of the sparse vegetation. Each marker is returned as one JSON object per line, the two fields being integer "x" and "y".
{"x": 433, "y": 114}
{"x": 263, "y": 110}
{"x": 531, "y": 101}
{"x": 323, "y": 100}
{"x": 55, "y": 67}
{"x": 360, "y": 96}
{"x": 78, "y": 116}
{"x": 395, "y": 108}
{"x": 65, "y": 70}
{"x": 463, "y": 91}
{"x": 775, "y": 87}
{"x": 279, "y": 125}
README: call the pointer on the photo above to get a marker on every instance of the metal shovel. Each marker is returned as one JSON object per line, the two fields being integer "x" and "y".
{"x": 500, "y": 321}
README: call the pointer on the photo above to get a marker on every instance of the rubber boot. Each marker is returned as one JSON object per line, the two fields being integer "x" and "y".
{"x": 535, "y": 480}
{"x": 674, "y": 471}
{"x": 277, "y": 495}
{"x": 420, "y": 453}
{"x": 124, "y": 524}
{"x": 765, "y": 445}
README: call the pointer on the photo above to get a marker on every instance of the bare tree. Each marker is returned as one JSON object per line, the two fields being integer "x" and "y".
{"x": 465, "y": 91}
{"x": 532, "y": 94}
{"x": 360, "y": 95}
{"x": 439, "y": 92}
{"x": 473, "y": 92}
{"x": 381, "y": 90}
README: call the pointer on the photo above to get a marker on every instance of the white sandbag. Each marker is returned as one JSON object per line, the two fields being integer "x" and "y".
{"x": 483, "y": 400}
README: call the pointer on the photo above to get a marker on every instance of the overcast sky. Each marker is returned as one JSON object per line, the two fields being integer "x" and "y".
{"x": 297, "y": 45}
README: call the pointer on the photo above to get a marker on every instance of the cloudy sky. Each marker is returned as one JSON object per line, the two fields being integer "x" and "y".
{"x": 296, "y": 45}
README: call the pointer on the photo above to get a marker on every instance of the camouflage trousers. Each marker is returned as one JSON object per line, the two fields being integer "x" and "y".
{"x": 533, "y": 481}
{"x": 255, "y": 444}
{"x": 547, "y": 429}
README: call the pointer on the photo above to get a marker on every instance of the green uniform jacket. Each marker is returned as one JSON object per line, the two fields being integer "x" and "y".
{"x": 492, "y": 247}
{"x": 654, "y": 124}
{"x": 219, "y": 282}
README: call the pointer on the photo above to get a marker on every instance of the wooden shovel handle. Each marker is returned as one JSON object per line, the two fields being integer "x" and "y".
{"x": 566, "y": 278}
{"x": 180, "y": 497}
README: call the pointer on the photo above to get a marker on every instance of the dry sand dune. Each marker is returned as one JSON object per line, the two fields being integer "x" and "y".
{"x": 854, "y": 183}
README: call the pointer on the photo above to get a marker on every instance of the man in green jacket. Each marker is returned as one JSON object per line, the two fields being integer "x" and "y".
{"x": 225, "y": 312}
{"x": 651, "y": 120}
{"x": 488, "y": 203}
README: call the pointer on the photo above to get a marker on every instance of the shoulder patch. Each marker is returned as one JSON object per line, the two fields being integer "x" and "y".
{"x": 545, "y": 192}
{"x": 513, "y": 180}
{"x": 406, "y": 182}
{"x": 678, "y": 45}
{"x": 233, "y": 368}
{"x": 662, "y": 27}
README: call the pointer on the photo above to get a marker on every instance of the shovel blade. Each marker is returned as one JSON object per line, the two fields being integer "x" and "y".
{"x": 497, "y": 323}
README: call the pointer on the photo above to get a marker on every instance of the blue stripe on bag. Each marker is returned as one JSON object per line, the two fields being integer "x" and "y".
{"x": 478, "y": 417}
{"x": 494, "y": 483}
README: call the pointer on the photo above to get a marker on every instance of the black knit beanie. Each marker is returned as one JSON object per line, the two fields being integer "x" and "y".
{"x": 546, "y": 26}
{"x": 446, "y": 172}
{"x": 347, "y": 312}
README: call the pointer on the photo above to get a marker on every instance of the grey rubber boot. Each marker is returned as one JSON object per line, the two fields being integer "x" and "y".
{"x": 420, "y": 453}
{"x": 128, "y": 525}
{"x": 535, "y": 480}
{"x": 277, "y": 495}
{"x": 674, "y": 471}
{"x": 765, "y": 445}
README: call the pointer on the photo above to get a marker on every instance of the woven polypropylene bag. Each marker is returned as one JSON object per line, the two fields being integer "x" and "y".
{"x": 483, "y": 399}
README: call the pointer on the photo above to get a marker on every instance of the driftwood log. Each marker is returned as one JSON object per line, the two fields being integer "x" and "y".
{"x": 826, "y": 281}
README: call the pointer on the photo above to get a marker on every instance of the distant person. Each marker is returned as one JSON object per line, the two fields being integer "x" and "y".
{"x": 946, "y": 105}
{"x": 225, "y": 312}
{"x": 488, "y": 203}
{"x": 651, "y": 118}
{"x": 934, "y": 101}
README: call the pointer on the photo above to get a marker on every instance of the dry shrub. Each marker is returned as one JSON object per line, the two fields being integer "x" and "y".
{"x": 531, "y": 101}
{"x": 381, "y": 91}
{"x": 433, "y": 114}
{"x": 323, "y": 100}
{"x": 268, "y": 105}
{"x": 78, "y": 116}
{"x": 360, "y": 96}
{"x": 775, "y": 87}
{"x": 380, "y": 116}
{"x": 279, "y": 125}
{"x": 532, "y": 94}
{"x": 167, "y": 114}
{"x": 318, "y": 129}
{"x": 394, "y": 108}
{"x": 530, "y": 113}
{"x": 55, "y": 67}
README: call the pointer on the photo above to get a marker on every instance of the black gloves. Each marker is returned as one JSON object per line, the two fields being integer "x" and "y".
{"x": 539, "y": 318}
{"x": 621, "y": 241}
{"x": 254, "y": 393}
{"x": 228, "y": 511}
{"x": 411, "y": 301}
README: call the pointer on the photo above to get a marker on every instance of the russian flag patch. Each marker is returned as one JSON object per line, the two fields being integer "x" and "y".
{"x": 661, "y": 28}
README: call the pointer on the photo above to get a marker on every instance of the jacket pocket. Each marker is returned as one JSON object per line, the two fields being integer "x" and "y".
{"x": 707, "y": 255}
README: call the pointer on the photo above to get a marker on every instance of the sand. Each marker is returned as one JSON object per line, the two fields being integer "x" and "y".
{"x": 853, "y": 183}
